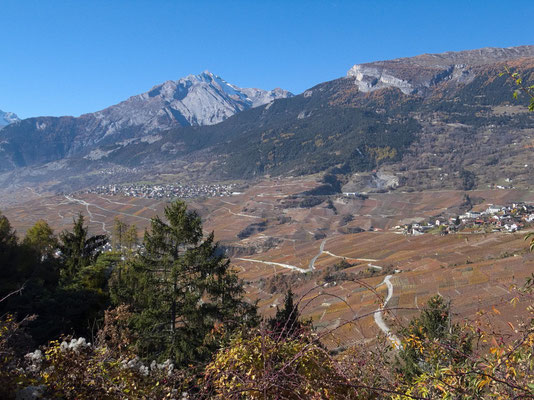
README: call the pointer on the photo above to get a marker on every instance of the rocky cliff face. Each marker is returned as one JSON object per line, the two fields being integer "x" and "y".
{"x": 195, "y": 100}
{"x": 417, "y": 74}
{"x": 7, "y": 118}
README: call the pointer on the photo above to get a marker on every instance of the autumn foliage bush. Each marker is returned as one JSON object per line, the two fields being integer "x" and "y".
{"x": 261, "y": 367}
{"x": 11, "y": 377}
{"x": 499, "y": 366}
{"x": 73, "y": 368}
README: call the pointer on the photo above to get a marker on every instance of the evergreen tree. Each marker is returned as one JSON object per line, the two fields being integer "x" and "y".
{"x": 286, "y": 323}
{"x": 78, "y": 250}
{"x": 15, "y": 265}
{"x": 181, "y": 290}
{"x": 130, "y": 238}
{"x": 96, "y": 276}
{"x": 7, "y": 234}
{"x": 31, "y": 266}
{"x": 433, "y": 325}
{"x": 119, "y": 233}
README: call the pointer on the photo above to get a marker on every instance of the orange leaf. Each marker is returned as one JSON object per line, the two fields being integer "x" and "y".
{"x": 495, "y": 310}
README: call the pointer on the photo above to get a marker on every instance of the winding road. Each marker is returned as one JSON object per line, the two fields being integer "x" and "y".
{"x": 288, "y": 266}
{"x": 311, "y": 265}
{"x": 379, "y": 320}
{"x": 241, "y": 214}
{"x": 86, "y": 204}
{"x": 91, "y": 215}
{"x": 378, "y": 314}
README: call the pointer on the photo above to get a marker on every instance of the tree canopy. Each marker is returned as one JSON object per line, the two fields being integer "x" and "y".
{"x": 181, "y": 289}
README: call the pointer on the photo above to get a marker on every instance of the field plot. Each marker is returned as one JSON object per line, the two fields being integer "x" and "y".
{"x": 276, "y": 240}
{"x": 474, "y": 275}
{"x": 99, "y": 212}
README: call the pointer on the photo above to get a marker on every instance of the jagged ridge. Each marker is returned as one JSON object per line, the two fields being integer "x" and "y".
{"x": 417, "y": 74}
{"x": 7, "y": 118}
{"x": 195, "y": 100}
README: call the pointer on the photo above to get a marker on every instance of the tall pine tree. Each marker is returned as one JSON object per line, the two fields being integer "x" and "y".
{"x": 78, "y": 250}
{"x": 286, "y": 323}
{"x": 184, "y": 296}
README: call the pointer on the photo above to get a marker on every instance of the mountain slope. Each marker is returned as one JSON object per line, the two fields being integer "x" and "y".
{"x": 420, "y": 73}
{"x": 203, "y": 99}
{"x": 429, "y": 137}
{"x": 195, "y": 100}
{"x": 449, "y": 130}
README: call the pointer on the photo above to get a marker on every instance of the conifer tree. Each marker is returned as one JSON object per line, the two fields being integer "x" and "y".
{"x": 120, "y": 232}
{"x": 181, "y": 290}
{"x": 78, "y": 250}
{"x": 131, "y": 237}
{"x": 7, "y": 234}
{"x": 434, "y": 325}
{"x": 286, "y": 323}
{"x": 14, "y": 266}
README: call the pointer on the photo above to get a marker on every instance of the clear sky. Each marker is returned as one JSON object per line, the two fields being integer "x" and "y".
{"x": 62, "y": 57}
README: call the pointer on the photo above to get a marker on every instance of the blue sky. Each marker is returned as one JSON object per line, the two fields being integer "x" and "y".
{"x": 64, "y": 57}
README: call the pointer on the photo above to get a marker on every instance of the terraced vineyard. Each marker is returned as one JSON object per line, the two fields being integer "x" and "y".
{"x": 276, "y": 241}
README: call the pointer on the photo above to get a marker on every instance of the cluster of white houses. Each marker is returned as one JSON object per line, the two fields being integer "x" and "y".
{"x": 510, "y": 218}
{"x": 168, "y": 191}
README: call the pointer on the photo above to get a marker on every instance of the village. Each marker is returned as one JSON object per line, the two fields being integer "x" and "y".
{"x": 509, "y": 218}
{"x": 165, "y": 191}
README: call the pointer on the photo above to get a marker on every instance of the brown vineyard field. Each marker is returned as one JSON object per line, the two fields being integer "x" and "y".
{"x": 282, "y": 244}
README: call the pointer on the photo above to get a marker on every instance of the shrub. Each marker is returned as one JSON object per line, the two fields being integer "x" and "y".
{"x": 260, "y": 367}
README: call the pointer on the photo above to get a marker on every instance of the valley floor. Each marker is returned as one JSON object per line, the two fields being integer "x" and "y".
{"x": 282, "y": 245}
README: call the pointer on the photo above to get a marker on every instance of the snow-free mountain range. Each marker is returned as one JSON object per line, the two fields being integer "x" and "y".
{"x": 428, "y": 120}
{"x": 420, "y": 73}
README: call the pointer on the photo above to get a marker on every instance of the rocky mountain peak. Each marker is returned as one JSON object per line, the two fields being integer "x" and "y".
{"x": 203, "y": 99}
{"x": 195, "y": 100}
{"x": 7, "y": 118}
{"x": 415, "y": 74}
